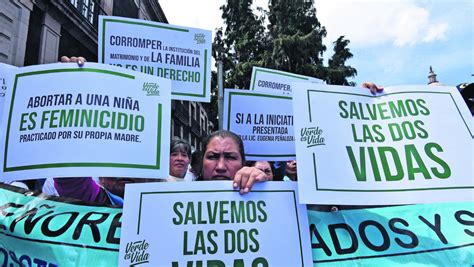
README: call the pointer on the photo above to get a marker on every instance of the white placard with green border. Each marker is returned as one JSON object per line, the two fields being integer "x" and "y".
{"x": 62, "y": 120}
{"x": 181, "y": 54}
{"x": 264, "y": 121}
{"x": 211, "y": 224}
{"x": 4, "y": 72}
{"x": 277, "y": 81}
{"x": 409, "y": 144}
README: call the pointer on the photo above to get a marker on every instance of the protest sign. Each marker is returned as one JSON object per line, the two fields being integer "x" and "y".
{"x": 410, "y": 144}
{"x": 4, "y": 70}
{"x": 263, "y": 121}
{"x": 181, "y": 54}
{"x": 276, "y": 81}
{"x": 210, "y": 224}
{"x": 65, "y": 121}
{"x": 414, "y": 235}
{"x": 50, "y": 231}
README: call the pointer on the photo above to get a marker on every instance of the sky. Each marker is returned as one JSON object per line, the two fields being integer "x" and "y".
{"x": 393, "y": 41}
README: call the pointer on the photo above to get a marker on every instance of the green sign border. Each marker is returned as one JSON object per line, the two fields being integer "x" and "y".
{"x": 229, "y": 107}
{"x": 78, "y": 164}
{"x": 381, "y": 190}
{"x": 227, "y": 191}
{"x": 104, "y": 20}
{"x": 276, "y": 72}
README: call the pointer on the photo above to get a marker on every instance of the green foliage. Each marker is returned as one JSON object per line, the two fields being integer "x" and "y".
{"x": 296, "y": 37}
{"x": 338, "y": 71}
{"x": 243, "y": 44}
{"x": 293, "y": 42}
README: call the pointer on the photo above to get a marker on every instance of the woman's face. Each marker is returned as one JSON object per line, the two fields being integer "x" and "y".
{"x": 291, "y": 169}
{"x": 221, "y": 159}
{"x": 179, "y": 161}
{"x": 265, "y": 167}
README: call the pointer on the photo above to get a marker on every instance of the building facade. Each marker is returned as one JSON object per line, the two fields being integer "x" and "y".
{"x": 190, "y": 122}
{"x": 40, "y": 31}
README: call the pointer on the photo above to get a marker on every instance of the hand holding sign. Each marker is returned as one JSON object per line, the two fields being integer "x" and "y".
{"x": 224, "y": 159}
{"x": 80, "y": 60}
{"x": 246, "y": 177}
{"x": 374, "y": 89}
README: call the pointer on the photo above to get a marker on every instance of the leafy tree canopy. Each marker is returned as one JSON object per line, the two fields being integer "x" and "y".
{"x": 291, "y": 41}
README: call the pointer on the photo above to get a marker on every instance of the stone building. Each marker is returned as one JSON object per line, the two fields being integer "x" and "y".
{"x": 40, "y": 31}
{"x": 191, "y": 122}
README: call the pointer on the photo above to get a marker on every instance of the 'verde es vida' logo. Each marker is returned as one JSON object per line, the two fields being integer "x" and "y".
{"x": 136, "y": 252}
{"x": 312, "y": 136}
{"x": 200, "y": 38}
{"x": 151, "y": 88}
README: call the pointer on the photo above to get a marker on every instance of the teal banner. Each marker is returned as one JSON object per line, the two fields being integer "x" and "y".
{"x": 48, "y": 231}
{"x": 412, "y": 235}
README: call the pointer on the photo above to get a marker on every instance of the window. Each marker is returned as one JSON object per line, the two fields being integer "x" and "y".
{"x": 193, "y": 113}
{"x": 85, "y": 7}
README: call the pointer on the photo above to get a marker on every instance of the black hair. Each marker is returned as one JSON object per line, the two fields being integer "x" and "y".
{"x": 180, "y": 144}
{"x": 225, "y": 134}
{"x": 222, "y": 134}
{"x": 196, "y": 157}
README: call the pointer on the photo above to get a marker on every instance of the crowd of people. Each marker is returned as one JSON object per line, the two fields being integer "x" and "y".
{"x": 222, "y": 158}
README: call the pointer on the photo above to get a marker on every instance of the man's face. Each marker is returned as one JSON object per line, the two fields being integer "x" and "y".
{"x": 221, "y": 159}
{"x": 179, "y": 161}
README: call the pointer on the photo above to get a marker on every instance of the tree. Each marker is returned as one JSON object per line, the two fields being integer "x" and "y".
{"x": 296, "y": 38}
{"x": 242, "y": 41}
{"x": 337, "y": 70}
{"x": 293, "y": 42}
{"x": 239, "y": 46}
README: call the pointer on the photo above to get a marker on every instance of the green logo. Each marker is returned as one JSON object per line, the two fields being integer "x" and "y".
{"x": 136, "y": 252}
{"x": 152, "y": 89}
{"x": 312, "y": 136}
{"x": 200, "y": 38}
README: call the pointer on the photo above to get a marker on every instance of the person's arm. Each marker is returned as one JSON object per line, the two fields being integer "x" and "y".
{"x": 246, "y": 177}
{"x": 374, "y": 89}
{"x": 79, "y": 60}
{"x": 82, "y": 188}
